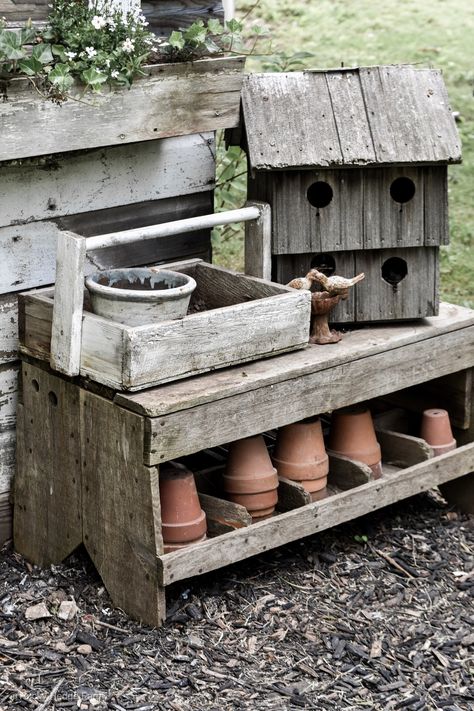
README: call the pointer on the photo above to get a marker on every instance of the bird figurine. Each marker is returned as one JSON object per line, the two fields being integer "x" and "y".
{"x": 334, "y": 285}
{"x": 304, "y": 282}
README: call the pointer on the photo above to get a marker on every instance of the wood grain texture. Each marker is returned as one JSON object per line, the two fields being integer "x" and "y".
{"x": 356, "y": 345}
{"x": 346, "y": 473}
{"x": 121, "y": 508}
{"x": 15, "y": 12}
{"x": 171, "y": 100}
{"x": 416, "y": 296}
{"x": 8, "y": 328}
{"x": 8, "y": 395}
{"x": 258, "y": 243}
{"x": 453, "y": 393}
{"x": 315, "y": 517}
{"x": 7, "y": 459}
{"x": 223, "y": 516}
{"x": 47, "y": 522}
{"x": 66, "y": 327}
{"x": 165, "y": 16}
{"x": 360, "y": 116}
{"x": 291, "y": 495}
{"x": 254, "y": 411}
{"x": 6, "y": 519}
{"x": 402, "y": 450}
{"x": 106, "y": 178}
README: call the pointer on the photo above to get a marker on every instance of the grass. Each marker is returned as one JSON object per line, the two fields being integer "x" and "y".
{"x": 363, "y": 32}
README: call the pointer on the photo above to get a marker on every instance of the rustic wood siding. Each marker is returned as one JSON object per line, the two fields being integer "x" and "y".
{"x": 361, "y": 214}
{"x": 367, "y": 116}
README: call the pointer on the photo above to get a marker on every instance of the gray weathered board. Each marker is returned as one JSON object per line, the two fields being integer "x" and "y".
{"x": 163, "y": 16}
{"x": 367, "y": 363}
{"x": 245, "y": 319}
{"x": 361, "y": 213}
{"x": 171, "y": 100}
{"x": 348, "y": 117}
{"x": 374, "y": 298}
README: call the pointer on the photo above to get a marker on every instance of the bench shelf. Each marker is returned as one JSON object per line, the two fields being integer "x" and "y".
{"x": 89, "y": 458}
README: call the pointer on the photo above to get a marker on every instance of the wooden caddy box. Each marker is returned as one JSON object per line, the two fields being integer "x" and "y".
{"x": 88, "y": 457}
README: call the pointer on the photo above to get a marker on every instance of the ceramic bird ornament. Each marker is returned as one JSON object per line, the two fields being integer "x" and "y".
{"x": 335, "y": 285}
{"x": 332, "y": 290}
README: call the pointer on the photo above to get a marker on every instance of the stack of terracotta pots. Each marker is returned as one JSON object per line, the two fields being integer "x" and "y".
{"x": 183, "y": 520}
{"x": 436, "y": 431}
{"x": 300, "y": 455}
{"x": 353, "y": 436}
{"x": 250, "y": 479}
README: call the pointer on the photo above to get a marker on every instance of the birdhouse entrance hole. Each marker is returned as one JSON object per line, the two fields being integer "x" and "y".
{"x": 402, "y": 190}
{"x": 325, "y": 263}
{"x": 394, "y": 270}
{"x": 319, "y": 194}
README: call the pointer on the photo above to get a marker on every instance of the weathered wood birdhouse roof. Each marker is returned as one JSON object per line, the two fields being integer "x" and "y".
{"x": 363, "y": 116}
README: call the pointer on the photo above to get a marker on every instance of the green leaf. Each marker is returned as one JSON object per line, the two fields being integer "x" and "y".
{"x": 30, "y": 66}
{"x": 234, "y": 26}
{"x": 61, "y": 78}
{"x": 215, "y": 27}
{"x": 43, "y": 53}
{"x": 59, "y": 51}
{"x": 93, "y": 78}
{"x": 176, "y": 39}
{"x": 10, "y": 46}
{"x": 196, "y": 34}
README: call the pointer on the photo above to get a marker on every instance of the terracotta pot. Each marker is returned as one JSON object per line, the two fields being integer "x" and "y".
{"x": 170, "y": 547}
{"x": 353, "y": 435}
{"x": 183, "y": 520}
{"x": 436, "y": 431}
{"x": 300, "y": 454}
{"x": 319, "y": 495}
{"x": 250, "y": 479}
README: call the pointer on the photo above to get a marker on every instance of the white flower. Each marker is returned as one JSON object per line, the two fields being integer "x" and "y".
{"x": 128, "y": 45}
{"x": 70, "y": 55}
{"x": 99, "y": 22}
{"x": 141, "y": 19}
{"x": 90, "y": 51}
{"x": 111, "y": 23}
{"x": 114, "y": 74}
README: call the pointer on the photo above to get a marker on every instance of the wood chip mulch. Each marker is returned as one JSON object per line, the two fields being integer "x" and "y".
{"x": 376, "y": 614}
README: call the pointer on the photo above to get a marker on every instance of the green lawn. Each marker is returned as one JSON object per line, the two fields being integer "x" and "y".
{"x": 439, "y": 33}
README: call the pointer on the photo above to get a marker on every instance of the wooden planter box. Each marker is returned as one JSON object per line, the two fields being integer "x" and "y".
{"x": 233, "y": 319}
{"x": 171, "y": 100}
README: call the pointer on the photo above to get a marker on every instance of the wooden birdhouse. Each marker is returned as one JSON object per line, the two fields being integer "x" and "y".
{"x": 354, "y": 165}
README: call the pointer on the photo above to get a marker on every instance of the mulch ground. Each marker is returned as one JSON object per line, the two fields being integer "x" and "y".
{"x": 376, "y": 614}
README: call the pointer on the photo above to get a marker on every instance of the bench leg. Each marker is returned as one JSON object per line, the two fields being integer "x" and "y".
{"x": 47, "y": 488}
{"x": 121, "y": 508}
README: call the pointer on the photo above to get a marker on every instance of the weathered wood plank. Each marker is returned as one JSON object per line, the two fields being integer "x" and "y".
{"x": 47, "y": 522}
{"x": 15, "y": 12}
{"x": 8, "y": 395}
{"x": 66, "y": 328}
{"x": 359, "y": 344}
{"x": 379, "y": 300}
{"x": 171, "y": 100}
{"x": 436, "y": 223}
{"x": 388, "y": 223}
{"x": 258, "y": 243}
{"x": 165, "y": 16}
{"x": 291, "y": 495}
{"x": 8, "y": 328}
{"x": 315, "y": 517}
{"x": 215, "y": 422}
{"x": 121, "y": 508}
{"x": 346, "y": 473}
{"x": 402, "y": 450}
{"x": 29, "y": 250}
{"x": 7, "y": 459}
{"x": 6, "y": 518}
{"x": 452, "y": 392}
{"x": 223, "y": 516}
{"x": 106, "y": 178}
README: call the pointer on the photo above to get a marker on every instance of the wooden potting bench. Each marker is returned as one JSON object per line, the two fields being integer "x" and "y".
{"x": 89, "y": 457}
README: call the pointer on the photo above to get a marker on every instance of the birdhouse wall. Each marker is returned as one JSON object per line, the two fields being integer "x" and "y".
{"x": 380, "y": 296}
{"x": 354, "y": 209}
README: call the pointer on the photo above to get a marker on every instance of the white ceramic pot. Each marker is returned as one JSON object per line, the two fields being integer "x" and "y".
{"x": 140, "y": 296}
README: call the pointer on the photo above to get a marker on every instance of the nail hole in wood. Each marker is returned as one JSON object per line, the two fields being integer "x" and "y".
{"x": 35, "y": 385}
{"x": 53, "y": 398}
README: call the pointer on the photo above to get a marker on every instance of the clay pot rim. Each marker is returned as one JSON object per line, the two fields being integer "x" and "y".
{"x": 371, "y": 457}
{"x": 172, "y": 547}
{"x": 303, "y": 471}
{"x": 182, "y": 532}
{"x": 237, "y": 485}
{"x": 255, "y": 502}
